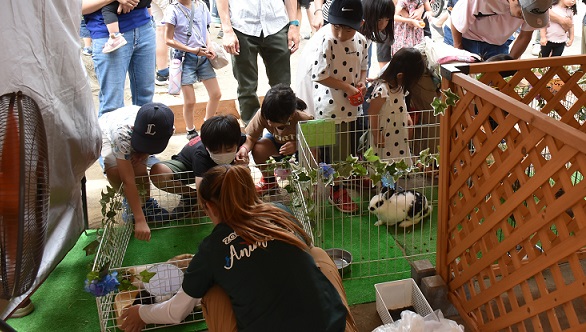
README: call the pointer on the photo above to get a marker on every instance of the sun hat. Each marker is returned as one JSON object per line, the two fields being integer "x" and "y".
{"x": 535, "y": 12}
{"x": 153, "y": 127}
{"x": 346, "y": 12}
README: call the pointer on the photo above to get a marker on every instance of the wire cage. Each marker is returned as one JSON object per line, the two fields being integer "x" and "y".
{"x": 170, "y": 212}
{"x": 512, "y": 242}
{"x": 376, "y": 251}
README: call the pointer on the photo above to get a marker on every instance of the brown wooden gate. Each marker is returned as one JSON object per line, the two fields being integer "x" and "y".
{"x": 512, "y": 208}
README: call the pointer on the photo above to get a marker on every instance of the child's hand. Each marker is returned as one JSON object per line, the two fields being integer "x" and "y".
{"x": 415, "y": 23}
{"x": 569, "y": 42}
{"x": 543, "y": 41}
{"x": 428, "y": 15}
{"x": 241, "y": 156}
{"x": 142, "y": 231}
{"x": 210, "y": 54}
{"x": 288, "y": 148}
{"x": 362, "y": 87}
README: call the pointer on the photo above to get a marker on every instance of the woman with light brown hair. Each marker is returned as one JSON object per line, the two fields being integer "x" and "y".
{"x": 256, "y": 271}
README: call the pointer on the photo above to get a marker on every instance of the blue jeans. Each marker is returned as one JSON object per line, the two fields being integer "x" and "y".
{"x": 484, "y": 49}
{"x": 137, "y": 58}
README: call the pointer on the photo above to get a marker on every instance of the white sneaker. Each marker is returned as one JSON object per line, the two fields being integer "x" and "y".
{"x": 536, "y": 49}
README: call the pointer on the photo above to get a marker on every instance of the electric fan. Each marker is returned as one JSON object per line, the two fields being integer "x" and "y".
{"x": 24, "y": 195}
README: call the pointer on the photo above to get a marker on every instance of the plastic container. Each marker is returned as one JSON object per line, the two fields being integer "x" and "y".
{"x": 399, "y": 294}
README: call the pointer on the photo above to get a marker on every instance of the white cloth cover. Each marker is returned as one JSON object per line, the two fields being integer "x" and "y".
{"x": 41, "y": 57}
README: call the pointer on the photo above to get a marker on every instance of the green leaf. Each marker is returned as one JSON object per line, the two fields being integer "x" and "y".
{"x": 451, "y": 98}
{"x": 344, "y": 170}
{"x": 91, "y": 248}
{"x": 439, "y": 107}
{"x": 93, "y": 275}
{"x": 146, "y": 276}
{"x": 126, "y": 285}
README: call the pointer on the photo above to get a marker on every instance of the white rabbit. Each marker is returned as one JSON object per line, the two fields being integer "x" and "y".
{"x": 405, "y": 206}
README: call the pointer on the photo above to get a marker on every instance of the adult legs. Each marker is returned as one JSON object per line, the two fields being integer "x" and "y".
{"x": 277, "y": 57}
{"x": 142, "y": 64}
{"x": 158, "y": 8}
{"x": 330, "y": 270}
{"x": 111, "y": 69}
{"x": 245, "y": 70}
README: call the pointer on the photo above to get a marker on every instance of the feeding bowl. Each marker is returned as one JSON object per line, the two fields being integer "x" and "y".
{"x": 342, "y": 258}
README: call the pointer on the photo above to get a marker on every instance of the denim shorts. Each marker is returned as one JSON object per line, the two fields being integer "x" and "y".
{"x": 196, "y": 69}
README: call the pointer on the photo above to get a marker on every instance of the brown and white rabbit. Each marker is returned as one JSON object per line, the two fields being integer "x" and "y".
{"x": 406, "y": 207}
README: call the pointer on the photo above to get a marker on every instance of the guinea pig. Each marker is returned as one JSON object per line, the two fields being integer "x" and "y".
{"x": 405, "y": 206}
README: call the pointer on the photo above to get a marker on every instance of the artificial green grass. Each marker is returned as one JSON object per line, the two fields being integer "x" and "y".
{"x": 378, "y": 256}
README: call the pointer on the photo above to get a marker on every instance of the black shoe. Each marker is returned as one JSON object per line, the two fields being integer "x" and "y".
{"x": 161, "y": 80}
{"x": 192, "y": 134}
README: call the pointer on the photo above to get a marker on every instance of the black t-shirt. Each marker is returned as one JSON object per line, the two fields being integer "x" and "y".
{"x": 195, "y": 156}
{"x": 273, "y": 286}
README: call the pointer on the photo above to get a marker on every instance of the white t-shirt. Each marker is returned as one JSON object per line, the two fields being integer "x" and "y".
{"x": 116, "y": 129}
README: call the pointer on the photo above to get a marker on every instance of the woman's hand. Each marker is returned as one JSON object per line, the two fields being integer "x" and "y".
{"x": 131, "y": 320}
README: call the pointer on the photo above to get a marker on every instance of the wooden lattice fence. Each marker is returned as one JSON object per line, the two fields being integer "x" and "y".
{"x": 512, "y": 208}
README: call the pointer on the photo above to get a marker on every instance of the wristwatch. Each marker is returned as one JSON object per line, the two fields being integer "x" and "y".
{"x": 294, "y": 22}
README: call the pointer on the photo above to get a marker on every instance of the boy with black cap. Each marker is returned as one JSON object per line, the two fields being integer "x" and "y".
{"x": 129, "y": 135}
{"x": 334, "y": 82}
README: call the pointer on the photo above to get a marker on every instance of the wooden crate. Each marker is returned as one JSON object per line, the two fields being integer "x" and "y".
{"x": 512, "y": 209}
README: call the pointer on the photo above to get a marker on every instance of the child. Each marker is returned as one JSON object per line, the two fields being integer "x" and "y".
{"x": 110, "y": 13}
{"x": 379, "y": 27}
{"x": 129, "y": 135}
{"x": 196, "y": 64}
{"x": 409, "y": 30}
{"x": 337, "y": 72}
{"x": 279, "y": 114}
{"x": 218, "y": 144}
{"x": 389, "y": 118}
{"x": 553, "y": 37}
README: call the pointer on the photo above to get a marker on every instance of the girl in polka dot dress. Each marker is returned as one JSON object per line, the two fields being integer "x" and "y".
{"x": 389, "y": 118}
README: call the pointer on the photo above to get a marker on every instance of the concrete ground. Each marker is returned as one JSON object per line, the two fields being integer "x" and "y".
{"x": 365, "y": 314}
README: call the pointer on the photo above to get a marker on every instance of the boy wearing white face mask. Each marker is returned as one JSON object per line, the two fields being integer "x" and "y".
{"x": 218, "y": 143}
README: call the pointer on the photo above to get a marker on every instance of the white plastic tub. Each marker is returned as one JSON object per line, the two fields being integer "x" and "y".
{"x": 399, "y": 294}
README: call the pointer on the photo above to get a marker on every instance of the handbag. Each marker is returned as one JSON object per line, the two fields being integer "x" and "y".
{"x": 176, "y": 66}
{"x": 221, "y": 59}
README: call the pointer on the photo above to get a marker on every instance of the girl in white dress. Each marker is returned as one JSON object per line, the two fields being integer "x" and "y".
{"x": 389, "y": 116}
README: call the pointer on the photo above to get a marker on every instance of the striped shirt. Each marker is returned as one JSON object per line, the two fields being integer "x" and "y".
{"x": 256, "y": 17}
